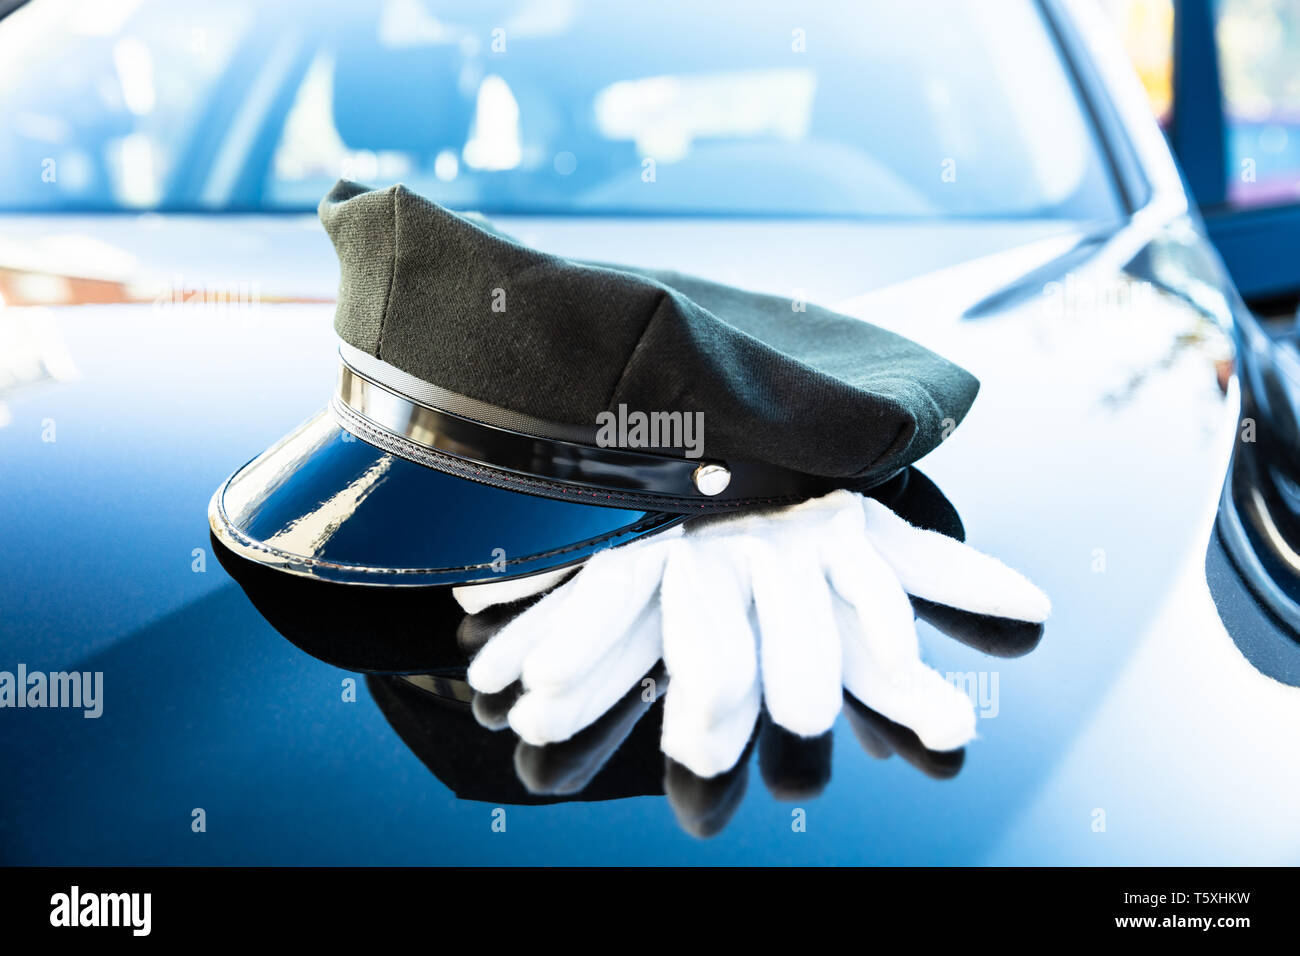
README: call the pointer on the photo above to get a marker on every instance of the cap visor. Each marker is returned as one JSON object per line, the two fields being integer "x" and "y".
{"x": 323, "y": 503}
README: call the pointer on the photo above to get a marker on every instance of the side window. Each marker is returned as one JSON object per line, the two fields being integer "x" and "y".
{"x": 1147, "y": 29}
{"x": 1259, "y": 66}
{"x": 1223, "y": 78}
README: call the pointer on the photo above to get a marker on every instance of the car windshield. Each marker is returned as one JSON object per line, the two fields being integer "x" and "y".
{"x": 933, "y": 109}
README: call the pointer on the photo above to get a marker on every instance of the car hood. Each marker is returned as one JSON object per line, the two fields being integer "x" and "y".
{"x": 1092, "y": 461}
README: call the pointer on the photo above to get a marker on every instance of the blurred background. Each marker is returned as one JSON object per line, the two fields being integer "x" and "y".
{"x": 1258, "y": 48}
{"x": 1223, "y": 77}
{"x": 187, "y": 106}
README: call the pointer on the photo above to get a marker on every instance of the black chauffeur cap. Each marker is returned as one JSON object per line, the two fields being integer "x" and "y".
{"x": 501, "y": 412}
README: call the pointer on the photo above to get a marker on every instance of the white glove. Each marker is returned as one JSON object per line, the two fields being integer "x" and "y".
{"x": 786, "y": 607}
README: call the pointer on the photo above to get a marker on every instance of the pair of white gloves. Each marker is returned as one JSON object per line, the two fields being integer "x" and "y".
{"x": 783, "y": 608}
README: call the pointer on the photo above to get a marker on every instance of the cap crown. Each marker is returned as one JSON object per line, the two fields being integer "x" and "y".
{"x": 467, "y": 309}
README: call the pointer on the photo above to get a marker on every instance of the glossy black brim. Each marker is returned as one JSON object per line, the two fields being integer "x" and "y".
{"x": 323, "y": 503}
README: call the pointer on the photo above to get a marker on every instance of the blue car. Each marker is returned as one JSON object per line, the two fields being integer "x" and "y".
{"x": 986, "y": 179}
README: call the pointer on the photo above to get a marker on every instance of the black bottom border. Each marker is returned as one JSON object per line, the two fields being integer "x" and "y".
{"x": 332, "y": 904}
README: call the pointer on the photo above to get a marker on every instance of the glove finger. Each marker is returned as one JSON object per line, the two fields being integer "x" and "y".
{"x": 799, "y": 643}
{"x": 708, "y": 636}
{"x": 861, "y": 578}
{"x": 474, "y": 598}
{"x": 568, "y": 621}
{"x": 606, "y": 602}
{"x": 933, "y": 566}
{"x": 907, "y": 691}
{"x": 542, "y": 716}
{"x": 501, "y": 660}
{"x": 708, "y": 748}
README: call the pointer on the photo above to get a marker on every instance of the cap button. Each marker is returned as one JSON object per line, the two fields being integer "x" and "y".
{"x": 711, "y": 479}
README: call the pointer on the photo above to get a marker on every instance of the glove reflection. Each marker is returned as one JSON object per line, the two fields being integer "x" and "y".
{"x": 618, "y": 756}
